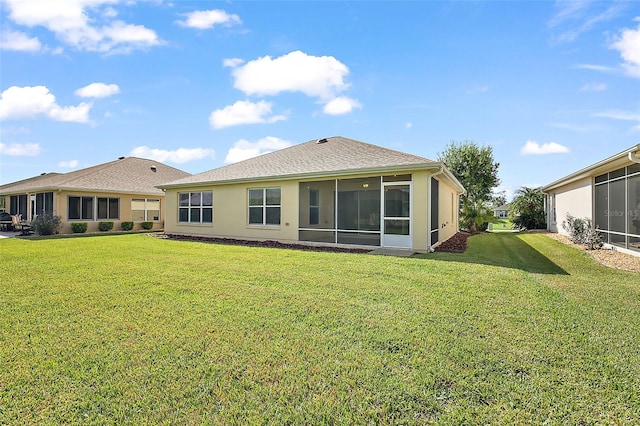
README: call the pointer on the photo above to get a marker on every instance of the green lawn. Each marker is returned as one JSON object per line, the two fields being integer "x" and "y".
{"x": 137, "y": 330}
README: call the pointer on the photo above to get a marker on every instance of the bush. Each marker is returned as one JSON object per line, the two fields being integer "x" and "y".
{"x": 581, "y": 231}
{"x": 105, "y": 226}
{"x": 46, "y": 224}
{"x": 529, "y": 221}
{"x": 126, "y": 226}
{"x": 147, "y": 225}
{"x": 79, "y": 227}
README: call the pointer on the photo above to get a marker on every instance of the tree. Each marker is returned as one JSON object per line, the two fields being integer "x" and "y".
{"x": 476, "y": 169}
{"x": 498, "y": 199}
{"x": 527, "y": 208}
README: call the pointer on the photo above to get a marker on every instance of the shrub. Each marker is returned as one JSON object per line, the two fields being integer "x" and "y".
{"x": 581, "y": 231}
{"x": 529, "y": 221}
{"x": 126, "y": 226}
{"x": 79, "y": 227}
{"x": 105, "y": 226}
{"x": 46, "y": 224}
{"x": 147, "y": 225}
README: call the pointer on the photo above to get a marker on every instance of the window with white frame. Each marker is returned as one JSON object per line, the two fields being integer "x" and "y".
{"x": 195, "y": 207}
{"x": 264, "y": 206}
{"x": 145, "y": 209}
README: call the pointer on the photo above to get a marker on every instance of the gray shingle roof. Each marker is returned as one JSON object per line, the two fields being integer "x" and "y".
{"x": 335, "y": 154}
{"x": 125, "y": 175}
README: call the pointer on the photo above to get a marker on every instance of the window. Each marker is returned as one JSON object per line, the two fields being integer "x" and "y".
{"x": 195, "y": 207}
{"x": 314, "y": 206}
{"x": 18, "y": 205}
{"x": 108, "y": 208}
{"x": 80, "y": 208}
{"x": 264, "y": 206}
{"x": 44, "y": 203}
{"x": 145, "y": 209}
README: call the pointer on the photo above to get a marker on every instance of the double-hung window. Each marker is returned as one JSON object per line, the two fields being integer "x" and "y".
{"x": 80, "y": 208}
{"x": 264, "y": 206}
{"x": 145, "y": 209}
{"x": 195, "y": 207}
{"x": 108, "y": 208}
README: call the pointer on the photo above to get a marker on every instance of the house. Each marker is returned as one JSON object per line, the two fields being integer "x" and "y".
{"x": 117, "y": 191}
{"x": 331, "y": 191}
{"x": 607, "y": 193}
{"x": 502, "y": 212}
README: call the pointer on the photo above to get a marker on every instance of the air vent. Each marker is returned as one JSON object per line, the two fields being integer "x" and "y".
{"x": 153, "y": 168}
{"x": 323, "y": 140}
{"x": 120, "y": 158}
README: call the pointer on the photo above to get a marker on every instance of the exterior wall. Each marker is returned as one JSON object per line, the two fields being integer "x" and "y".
{"x": 60, "y": 208}
{"x": 230, "y": 210}
{"x": 448, "y": 211}
{"x": 575, "y": 199}
{"x": 230, "y": 213}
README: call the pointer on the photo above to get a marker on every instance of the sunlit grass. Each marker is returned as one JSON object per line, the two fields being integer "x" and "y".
{"x": 139, "y": 330}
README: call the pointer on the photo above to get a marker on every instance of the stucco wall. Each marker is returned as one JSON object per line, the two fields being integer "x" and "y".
{"x": 230, "y": 210}
{"x": 575, "y": 199}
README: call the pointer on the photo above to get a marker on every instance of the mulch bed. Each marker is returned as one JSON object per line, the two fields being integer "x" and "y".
{"x": 269, "y": 243}
{"x": 455, "y": 244}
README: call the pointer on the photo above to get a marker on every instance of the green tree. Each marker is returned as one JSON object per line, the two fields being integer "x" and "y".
{"x": 477, "y": 170}
{"x": 527, "y": 208}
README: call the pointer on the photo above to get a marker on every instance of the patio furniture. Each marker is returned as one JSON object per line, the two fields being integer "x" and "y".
{"x": 6, "y": 223}
{"x": 22, "y": 225}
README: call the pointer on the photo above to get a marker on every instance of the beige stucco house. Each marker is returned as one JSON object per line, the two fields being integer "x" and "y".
{"x": 331, "y": 191}
{"x": 117, "y": 191}
{"x": 607, "y": 193}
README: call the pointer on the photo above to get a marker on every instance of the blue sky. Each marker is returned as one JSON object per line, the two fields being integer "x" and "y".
{"x": 551, "y": 86}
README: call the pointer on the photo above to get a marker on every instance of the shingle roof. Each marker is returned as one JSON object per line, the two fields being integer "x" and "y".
{"x": 316, "y": 157}
{"x": 125, "y": 175}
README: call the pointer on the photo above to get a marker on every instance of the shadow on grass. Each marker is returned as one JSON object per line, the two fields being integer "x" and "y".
{"x": 505, "y": 250}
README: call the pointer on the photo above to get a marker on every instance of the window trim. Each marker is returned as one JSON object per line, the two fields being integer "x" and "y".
{"x": 201, "y": 207}
{"x": 81, "y": 198}
{"x": 108, "y": 206}
{"x": 264, "y": 207}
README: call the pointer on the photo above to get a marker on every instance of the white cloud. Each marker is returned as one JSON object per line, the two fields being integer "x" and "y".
{"x": 315, "y": 76}
{"x": 178, "y": 156}
{"x": 20, "y": 150}
{"x": 408, "y": 125}
{"x": 30, "y": 102}
{"x": 204, "y": 19}
{"x": 244, "y": 112}
{"x": 16, "y": 40}
{"x": 478, "y": 89}
{"x": 71, "y": 164}
{"x": 621, "y": 115}
{"x": 576, "y": 17}
{"x": 628, "y": 44}
{"x": 341, "y": 105}
{"x": 594, "y": 67}
{"x": 83, "y": 24}
{"x": 534, "y": 148}
{"x": 593, "y": 87}
{"x": 98, "y": 90}
{"x": 232, "y": 62}
{"x": 244, "y": 149}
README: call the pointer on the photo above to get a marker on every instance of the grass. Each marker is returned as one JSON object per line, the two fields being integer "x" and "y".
{"x": 130, "y": 329}
{"x": 501, "y": 225}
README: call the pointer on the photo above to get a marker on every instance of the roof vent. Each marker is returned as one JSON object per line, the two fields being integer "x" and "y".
{"x": 42, "y": 174}
{"x": 323, "y": 140}
{"x": 153, "y": 168}
{"x": 120, "y": 158}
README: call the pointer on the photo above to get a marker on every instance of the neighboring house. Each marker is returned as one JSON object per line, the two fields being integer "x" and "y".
{"x": 327, "y": 191}
{"x": 118, "y": 191}
{"x": 608, "y": 193}
{"x": 502, "y": 212}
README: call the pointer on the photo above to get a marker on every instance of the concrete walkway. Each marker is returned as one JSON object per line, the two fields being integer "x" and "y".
{"x": 383, "y": 251}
